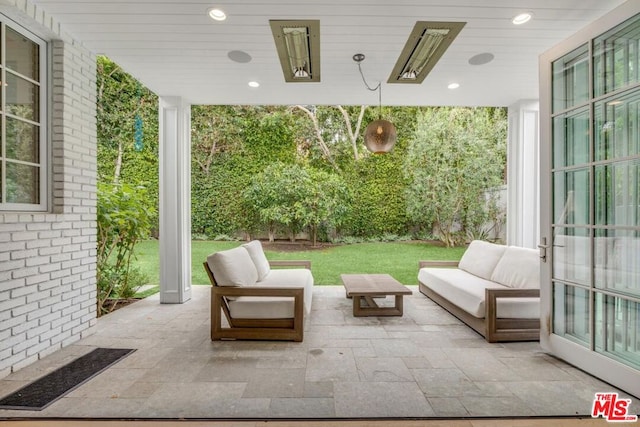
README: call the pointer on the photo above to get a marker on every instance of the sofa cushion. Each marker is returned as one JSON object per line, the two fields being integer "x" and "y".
{"x": 292, "y": 278}
{"x": 261, "y": 308}
{"x": 461, "y": 288}
{"x": 468, "y": 292}
{"x": 481, "y": 258}
{"x": 518, "y": 268}
{"x": 233, "y": 267}
{"x": 258, "y": 257}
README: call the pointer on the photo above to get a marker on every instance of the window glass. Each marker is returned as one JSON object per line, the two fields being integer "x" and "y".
{"x": 22, "y": 145}
{"x": 616, "y": 58}
{"x": 571, "y": 139}
{"x": 23, "y": 183}
{"x": 23, "y": 55}
{"x": 23, "y": 141}
{"x": 571, "y": 79}
{"x": 23, "y": 97}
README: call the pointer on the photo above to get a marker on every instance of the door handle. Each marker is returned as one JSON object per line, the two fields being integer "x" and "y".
{"x": 543, "y": 249}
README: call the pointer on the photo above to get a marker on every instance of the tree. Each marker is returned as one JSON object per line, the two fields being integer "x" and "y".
{"x": 295, "y": 197}
{"x": 455, "y": 156}
{"x": 326, "y": 202}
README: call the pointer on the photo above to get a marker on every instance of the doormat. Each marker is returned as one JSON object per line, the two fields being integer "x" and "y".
{"x": 46, "y": 390}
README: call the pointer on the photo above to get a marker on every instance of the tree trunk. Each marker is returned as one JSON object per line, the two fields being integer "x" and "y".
{"x": 116, "y": 174}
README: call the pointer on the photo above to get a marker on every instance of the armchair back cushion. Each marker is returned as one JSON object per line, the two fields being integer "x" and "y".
{"x": 233, "y": 267}
{"x": 518, "y": 268}
{"x": 258, "y": 257}
{"x": 481, "y": 258}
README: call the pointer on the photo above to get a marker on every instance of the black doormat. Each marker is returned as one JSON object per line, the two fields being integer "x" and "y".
{"x": 46, "y": 390}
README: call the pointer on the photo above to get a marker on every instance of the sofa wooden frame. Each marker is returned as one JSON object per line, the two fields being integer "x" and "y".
{"x": 490, "y": 327}
{"x": 288, "y": 329}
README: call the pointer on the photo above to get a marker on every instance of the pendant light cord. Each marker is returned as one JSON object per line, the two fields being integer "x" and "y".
{"x": 378, "y": 88}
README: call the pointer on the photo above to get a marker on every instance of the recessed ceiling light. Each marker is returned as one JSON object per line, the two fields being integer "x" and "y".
{"x": 522, "y": 18}
{"x": 253, "y": 84}
{"x": 217, "y": 14}
{"x": 453, "y": 85}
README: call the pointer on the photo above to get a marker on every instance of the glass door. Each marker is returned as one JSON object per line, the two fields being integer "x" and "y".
{"x": 592, "y": 269}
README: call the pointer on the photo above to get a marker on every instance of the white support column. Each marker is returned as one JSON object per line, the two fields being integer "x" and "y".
{"x": 175, "y": 200}
{"x": 523, "y": 174}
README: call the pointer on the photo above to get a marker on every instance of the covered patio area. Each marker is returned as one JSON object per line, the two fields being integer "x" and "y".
{"x": 424, "y": 365}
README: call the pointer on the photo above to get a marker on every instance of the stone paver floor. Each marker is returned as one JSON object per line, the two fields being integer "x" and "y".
{"x": 424, "y": 364}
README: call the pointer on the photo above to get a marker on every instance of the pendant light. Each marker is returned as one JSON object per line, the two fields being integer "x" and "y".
{"x": 380, "y": 135}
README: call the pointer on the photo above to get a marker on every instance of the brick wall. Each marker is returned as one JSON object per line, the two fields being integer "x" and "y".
{"x": 48, "y": 260}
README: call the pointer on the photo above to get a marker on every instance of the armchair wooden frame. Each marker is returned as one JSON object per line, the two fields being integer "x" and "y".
{"x": 288, "y": 329}
{"x": 493, "y": 329}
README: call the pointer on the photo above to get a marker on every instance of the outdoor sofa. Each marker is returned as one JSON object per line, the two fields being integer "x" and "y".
{"x": 259, "y": 302}
{"x": 495, "y": 289}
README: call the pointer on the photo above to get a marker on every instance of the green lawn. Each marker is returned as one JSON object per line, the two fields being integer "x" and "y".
{"x": 399, "y": 259}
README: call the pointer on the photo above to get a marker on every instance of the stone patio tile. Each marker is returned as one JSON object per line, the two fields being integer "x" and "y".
{"x": 535, "y": 369}
{"x": 302, "y": 408}
{"x": 275, "y": 383}
{"x": 438, "y": 359}
{"x": 99, "y": 408}
{"x": 327, "y": 317}
{"x": 383, "y": 369}
{"x": 380, "y": 399}
{"x": 139, "y": 390}
{"x": 290, "y": 359}
{"x": 351, "y": 331}
{"x": 496, "y": 407}
{"x": 424, "y": 339}
{"x": 331, "y": 364}
{"x": 108, "y": 384}
{"x": 417, "y": 362}
{"x": 555, "y": 397}
{"x": 480, "y": 365}
{"x": 364, "y": 351}
{"x": 431, "y": 316}
{"x": 448, "y": 407}
{"x": 204, "y": 399}
{"x": 318, "y": 389}
{"x": 324, "y": 341}
{"x": 396, "y": 347}
{"x": 144, "y": 358}
{"x": 232, "y": 369}
{"x": 442, "y": 382}
{"x": 489, "y": 389}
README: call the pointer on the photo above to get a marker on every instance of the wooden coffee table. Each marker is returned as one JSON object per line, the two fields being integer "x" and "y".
{"x": 364, "y": 287}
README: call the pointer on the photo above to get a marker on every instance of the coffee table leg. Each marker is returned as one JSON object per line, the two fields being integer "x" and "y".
{"x": 399, "y": 304}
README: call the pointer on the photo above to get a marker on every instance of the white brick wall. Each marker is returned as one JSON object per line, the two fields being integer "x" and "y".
{"x": 48, "y": 260}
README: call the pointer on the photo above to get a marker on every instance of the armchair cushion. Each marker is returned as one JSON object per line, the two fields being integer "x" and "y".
{"x": 233, "y": 267}
{"x": 292, "y": 278}
{"x": 258, "y": 257}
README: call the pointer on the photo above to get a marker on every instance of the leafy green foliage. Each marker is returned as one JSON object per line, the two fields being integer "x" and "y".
{"x": 124, "y": 218}
{"x": 293, "y": 197}
{"x": 456, "y": 155}
{"x": 121, "y": 102}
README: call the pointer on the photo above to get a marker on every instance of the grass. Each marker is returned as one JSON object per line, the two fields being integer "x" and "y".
{"x": 399, "y": 259}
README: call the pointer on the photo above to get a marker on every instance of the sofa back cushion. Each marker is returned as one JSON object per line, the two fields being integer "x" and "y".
{"x": 518, "y": 268}
{"x": 233, "y": 267}
{"x": 258, "y": 257}
{"x": 481, "y": 258}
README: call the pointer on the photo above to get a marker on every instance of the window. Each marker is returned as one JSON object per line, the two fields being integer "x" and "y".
{"x": 23, "y": 152}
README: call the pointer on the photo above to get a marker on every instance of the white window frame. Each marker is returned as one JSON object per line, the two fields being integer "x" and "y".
{"x": 44, "y": 156}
